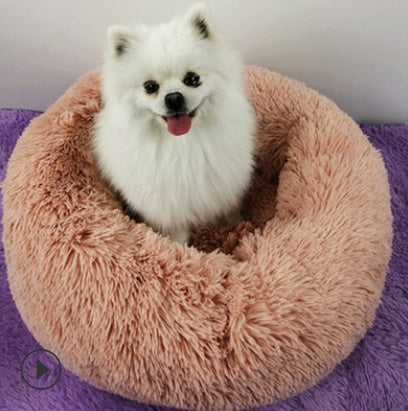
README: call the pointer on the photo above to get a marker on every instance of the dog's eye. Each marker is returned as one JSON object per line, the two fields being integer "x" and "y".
{"x": 192, "y": 80}
{"x": 151, "y": 87}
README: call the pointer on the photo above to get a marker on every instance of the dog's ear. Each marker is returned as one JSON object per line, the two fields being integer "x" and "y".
{"x": 200, "y": 17}
{"x": 120, "y": 38}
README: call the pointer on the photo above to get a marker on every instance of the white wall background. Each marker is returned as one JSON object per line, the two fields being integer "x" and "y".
{"x": 353, "y": 51}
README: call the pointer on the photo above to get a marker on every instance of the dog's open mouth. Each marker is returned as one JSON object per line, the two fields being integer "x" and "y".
{"x": 179, "y": 124}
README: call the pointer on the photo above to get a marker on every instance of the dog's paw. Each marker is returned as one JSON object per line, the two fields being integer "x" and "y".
{"x": 231, "y": 219}
{"x": 180, "y": 237}
{"x": 235, "y": 218}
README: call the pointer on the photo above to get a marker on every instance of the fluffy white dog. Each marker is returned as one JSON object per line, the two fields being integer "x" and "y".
{"x": 175, "y": 135}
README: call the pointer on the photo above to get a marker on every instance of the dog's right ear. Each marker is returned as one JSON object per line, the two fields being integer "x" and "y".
{"x": 120, "y": 38}
{"x": 200, "y": 18}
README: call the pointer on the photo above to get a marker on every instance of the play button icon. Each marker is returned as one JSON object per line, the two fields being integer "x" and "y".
{"x": 40, "y": 369}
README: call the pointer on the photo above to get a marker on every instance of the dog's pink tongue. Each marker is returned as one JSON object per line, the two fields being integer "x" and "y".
{"x": 179, "y": 125}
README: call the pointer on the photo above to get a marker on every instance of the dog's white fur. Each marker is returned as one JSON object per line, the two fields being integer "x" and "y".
{"x": 175, "y": 182}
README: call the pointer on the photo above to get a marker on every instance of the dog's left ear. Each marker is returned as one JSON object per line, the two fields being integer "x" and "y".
{"x": 120, "y": 39}
{"x": 200, "y": 17}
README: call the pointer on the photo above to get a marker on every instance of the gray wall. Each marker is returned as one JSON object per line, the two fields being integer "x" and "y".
{"x": 353, "y": 51}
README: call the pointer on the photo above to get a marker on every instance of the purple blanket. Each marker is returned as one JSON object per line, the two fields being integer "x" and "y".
{"x": 374, "y": 377}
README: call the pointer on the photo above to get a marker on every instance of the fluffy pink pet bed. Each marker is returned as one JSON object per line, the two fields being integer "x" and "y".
{"x": 247, "y": 315}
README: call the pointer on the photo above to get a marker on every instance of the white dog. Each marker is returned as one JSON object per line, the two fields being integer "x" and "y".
{"x": 175, "y": 135}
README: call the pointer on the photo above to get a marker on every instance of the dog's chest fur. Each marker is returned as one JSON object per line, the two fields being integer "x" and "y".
{"x": 175, "y": 181}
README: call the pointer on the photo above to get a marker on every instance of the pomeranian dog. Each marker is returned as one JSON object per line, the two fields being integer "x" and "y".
{"x": 175, "y": 137}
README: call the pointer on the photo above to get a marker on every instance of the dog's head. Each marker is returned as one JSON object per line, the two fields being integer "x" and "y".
{"x": 168, "y": 73}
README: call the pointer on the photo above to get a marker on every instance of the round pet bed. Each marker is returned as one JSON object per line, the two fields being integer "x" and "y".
{"x": 249, "y": 314}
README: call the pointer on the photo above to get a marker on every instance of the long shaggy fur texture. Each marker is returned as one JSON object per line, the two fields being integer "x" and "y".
{"x": 251, "y": 313}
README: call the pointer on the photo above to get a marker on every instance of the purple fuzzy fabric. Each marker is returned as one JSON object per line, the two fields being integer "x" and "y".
{"x": 374, "y": 377}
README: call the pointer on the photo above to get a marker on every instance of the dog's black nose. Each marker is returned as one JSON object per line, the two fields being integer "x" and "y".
{"x": 174, "y": 101}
